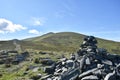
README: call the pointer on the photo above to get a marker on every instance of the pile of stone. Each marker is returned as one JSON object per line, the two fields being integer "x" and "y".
{"x": 89, "y": 63}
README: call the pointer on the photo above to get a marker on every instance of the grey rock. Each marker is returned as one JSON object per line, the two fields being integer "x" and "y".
{"x": 46, "y": 77}
{"x": 89, "y": 72}
{"x": 89, "y": 63}
{"x": 110, "y": 76}
{"x": 108, "y": 62}
{"x": 69, "y": 63}
{"x": 71, "y": 74}
{"x": 118, "y": 70}
{"x": 91, "y": 77}
{"x": 49, "y": 69}
{"x": 82, "y": 63}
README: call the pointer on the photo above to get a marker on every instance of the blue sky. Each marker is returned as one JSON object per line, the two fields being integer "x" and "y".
{"x": 29, "y": 18}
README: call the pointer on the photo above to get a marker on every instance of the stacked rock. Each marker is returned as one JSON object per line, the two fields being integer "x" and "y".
{"x": 91, "y": 63}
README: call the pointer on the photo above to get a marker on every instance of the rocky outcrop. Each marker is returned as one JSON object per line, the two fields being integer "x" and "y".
{"x": 89, "y": 63}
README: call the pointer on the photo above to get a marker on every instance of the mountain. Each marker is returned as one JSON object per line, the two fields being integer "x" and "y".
{"x": 63, "y": 41}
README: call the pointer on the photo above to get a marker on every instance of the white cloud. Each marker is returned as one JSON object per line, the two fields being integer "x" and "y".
{"x": 2, "y": 32}
{"x": 7, "y": 26}
{"x": 37, "y": 21}
{"x": 33, "y": 31}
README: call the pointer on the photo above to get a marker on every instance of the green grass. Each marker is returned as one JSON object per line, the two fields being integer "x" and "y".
{"x": 55, "y": 45}
{"x": 63, "y": 41}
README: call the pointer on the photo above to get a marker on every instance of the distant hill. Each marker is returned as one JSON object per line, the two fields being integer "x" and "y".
{"x": 63, "y": 41}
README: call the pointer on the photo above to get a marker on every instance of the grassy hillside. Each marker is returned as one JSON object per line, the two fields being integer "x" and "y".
{"x": 63, "y": 41}
{"x": 56, "y": 44}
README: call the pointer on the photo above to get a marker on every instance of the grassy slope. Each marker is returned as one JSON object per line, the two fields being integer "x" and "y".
{"x": 64, "y": 41}
{"x": 6, "y": 45}
{"x": 70, "y": 41}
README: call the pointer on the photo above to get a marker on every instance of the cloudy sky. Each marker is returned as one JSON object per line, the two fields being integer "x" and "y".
{"x": 29, "y": 18}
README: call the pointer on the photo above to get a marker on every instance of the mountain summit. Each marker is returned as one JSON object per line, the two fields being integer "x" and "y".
{"x": 62, "y": 41}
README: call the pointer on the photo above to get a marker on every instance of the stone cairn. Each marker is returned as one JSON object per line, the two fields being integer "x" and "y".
{"x": 89, "y": 63}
